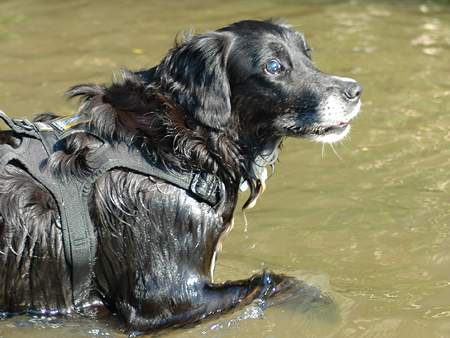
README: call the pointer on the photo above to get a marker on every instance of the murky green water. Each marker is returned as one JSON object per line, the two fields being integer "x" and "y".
{"x": 371, "y": 228}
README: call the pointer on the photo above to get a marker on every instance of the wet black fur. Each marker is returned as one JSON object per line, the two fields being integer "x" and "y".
{"x": 207, "y": 106}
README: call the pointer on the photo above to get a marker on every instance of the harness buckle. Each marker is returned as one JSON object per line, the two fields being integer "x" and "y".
{"x": 206, "y": 186}
{"x": 24, "y": 123}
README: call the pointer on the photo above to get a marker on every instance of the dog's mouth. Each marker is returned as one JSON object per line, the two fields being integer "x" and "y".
{"x": 327, "y": 133}
{"x": 321, "y": 125}
{"x": 332, "y": 132}
{"x": 331, "y": 129}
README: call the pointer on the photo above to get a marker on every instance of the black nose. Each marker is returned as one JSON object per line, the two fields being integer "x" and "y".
{"x": 352, "y": 91}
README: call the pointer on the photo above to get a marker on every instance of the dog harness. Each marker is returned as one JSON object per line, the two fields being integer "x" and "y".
{"x": 40, "y": 140}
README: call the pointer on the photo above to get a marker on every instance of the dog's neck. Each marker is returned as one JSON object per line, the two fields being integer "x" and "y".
{"x": 264, "y": 155}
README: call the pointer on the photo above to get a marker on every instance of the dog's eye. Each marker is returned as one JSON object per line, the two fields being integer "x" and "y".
{"x": 273, "y": 67}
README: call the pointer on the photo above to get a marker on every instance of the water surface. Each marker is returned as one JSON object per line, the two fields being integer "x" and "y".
{"x": 369, "y": 227}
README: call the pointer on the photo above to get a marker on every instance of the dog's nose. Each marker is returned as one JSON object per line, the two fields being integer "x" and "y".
{"x": 352, "y": 90}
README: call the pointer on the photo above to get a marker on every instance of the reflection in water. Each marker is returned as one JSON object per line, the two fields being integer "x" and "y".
{"x": 371, "y": 231}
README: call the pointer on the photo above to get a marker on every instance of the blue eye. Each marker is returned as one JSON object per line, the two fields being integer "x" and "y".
{"x": 273, "y": 66}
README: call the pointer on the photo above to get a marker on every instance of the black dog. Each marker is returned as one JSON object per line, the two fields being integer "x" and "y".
{"x": 218, "y": 104}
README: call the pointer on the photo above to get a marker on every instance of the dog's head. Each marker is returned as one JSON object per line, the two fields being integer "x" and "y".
{"x": 259, "y": 74}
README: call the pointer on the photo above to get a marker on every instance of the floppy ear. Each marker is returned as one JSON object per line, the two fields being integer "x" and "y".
{"x": 194, "y": 73}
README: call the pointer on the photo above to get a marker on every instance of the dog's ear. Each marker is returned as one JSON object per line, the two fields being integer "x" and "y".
{"x": 194, "y": 73}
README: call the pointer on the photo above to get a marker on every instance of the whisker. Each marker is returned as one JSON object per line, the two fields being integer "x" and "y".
{"x": 335, "y": 152}
{"x": 245, "y": 221}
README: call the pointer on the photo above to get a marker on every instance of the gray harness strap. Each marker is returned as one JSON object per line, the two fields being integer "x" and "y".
{"x": 40, "y": 140}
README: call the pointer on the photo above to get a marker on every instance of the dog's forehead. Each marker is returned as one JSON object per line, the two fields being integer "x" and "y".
{"x": 259, "y": 43}
{"x": 282, "y": 36}
{"x": 253, "y": 28}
